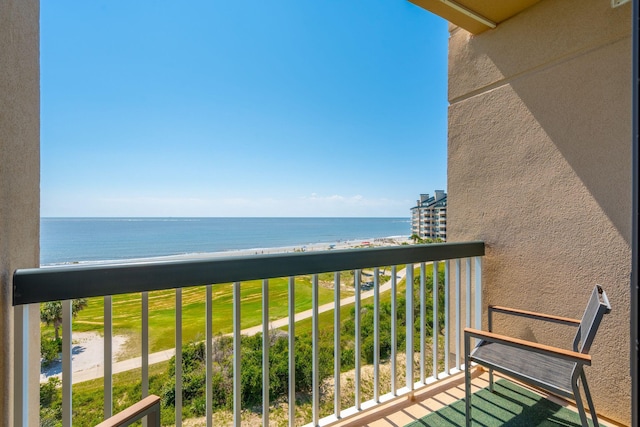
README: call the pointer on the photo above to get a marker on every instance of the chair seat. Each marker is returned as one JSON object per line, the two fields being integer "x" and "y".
{"x": 545, "y": 371}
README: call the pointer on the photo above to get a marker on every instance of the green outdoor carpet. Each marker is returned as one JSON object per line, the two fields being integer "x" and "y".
{"x": 509, "y": 405}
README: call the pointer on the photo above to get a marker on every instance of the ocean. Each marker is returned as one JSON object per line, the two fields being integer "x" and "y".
{"x": 70, "y": 240}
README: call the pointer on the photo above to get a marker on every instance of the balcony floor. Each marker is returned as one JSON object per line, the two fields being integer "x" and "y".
{"x": 404, "y": 411}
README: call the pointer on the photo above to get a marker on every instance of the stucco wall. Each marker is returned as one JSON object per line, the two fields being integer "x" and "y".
{"x": 539, "y": 167}
{"x": 19, "y": 180}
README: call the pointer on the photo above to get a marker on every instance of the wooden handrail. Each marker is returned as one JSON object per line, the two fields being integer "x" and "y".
{"x": 149, "y": 406}
{"x": 574, "y": 356}
{"x": 534, "y": 315}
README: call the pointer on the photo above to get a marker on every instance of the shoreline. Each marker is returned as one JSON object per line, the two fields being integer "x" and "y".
{"x": 310, "y": 247}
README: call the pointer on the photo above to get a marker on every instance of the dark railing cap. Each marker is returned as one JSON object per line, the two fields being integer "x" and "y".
{"x": 81, "y": 281}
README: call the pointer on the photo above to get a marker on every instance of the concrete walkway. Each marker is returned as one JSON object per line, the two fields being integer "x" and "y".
{"x": 161, "y": 356}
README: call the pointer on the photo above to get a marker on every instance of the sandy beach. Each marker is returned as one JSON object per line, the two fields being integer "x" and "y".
{"x": 312, "y": 247}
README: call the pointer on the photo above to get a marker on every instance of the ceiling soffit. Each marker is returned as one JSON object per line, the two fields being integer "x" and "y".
{"x": 475, "y": 16}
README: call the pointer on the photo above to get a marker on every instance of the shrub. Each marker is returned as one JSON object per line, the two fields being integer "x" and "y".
{"x": 193, "y": 384}
{"x": 221, "y": 393}
{"x": 50, "y": 403}
{"x": 198, "y": 406}
{"x": 49, "y": 349}
{"x": 168, "y": 392}
{"x": 50, "y": 391}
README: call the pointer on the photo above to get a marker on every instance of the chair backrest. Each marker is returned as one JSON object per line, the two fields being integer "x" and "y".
{"x": 597, "y": 307}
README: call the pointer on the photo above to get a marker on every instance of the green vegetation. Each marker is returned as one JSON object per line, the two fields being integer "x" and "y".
{"x": 49, "y": 349}
{"x": 419, "y": 240}
{"x": 88, "y": 400}
{"x": 127, "y": 312}
{"x": 51, "y": 313}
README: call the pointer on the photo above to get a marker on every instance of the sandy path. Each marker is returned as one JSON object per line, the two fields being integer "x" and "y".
{"x": 87, "y": 353}
{"x": 326, "y": 307}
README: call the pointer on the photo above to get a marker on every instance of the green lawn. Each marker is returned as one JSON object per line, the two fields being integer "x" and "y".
{"x": 127, "y": 310}
{"x": 326, "y": 319}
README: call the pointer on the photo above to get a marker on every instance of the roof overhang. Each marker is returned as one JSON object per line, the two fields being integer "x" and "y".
{"x": 475, "y": 16}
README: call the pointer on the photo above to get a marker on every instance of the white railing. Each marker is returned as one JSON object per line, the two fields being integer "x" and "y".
{"x": 462, "y": 262}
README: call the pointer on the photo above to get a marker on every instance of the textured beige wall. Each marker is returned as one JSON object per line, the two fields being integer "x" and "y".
{"x": 539, "y": 168}
{"x": 19, "y": 178}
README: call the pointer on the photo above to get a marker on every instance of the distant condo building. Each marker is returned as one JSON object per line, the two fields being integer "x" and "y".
{"x": 429, "y": 217}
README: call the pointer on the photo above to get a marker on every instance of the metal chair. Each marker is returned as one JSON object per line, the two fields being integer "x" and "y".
{"x": 550, "y": 368}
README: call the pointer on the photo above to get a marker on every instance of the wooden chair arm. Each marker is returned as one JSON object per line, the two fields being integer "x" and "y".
{"x": 135, "y": 412}
{"x": 534, "y": 315}
{"x": 574, "y": 356}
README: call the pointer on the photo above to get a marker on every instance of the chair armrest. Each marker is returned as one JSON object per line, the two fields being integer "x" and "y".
{"x": 574, "y": 356}
{"x": 135, "y": 412}
{"x": 533, "y": 315}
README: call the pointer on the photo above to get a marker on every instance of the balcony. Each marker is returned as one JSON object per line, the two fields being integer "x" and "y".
{"x": 459, "y": 266}
{"x": 554, "y": 116}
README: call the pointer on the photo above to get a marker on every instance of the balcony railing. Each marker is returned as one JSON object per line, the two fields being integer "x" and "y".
{"x": 462, "y": 290}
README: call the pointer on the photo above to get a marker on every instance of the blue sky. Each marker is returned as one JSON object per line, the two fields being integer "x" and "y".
{"x": 241, "y": 108}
